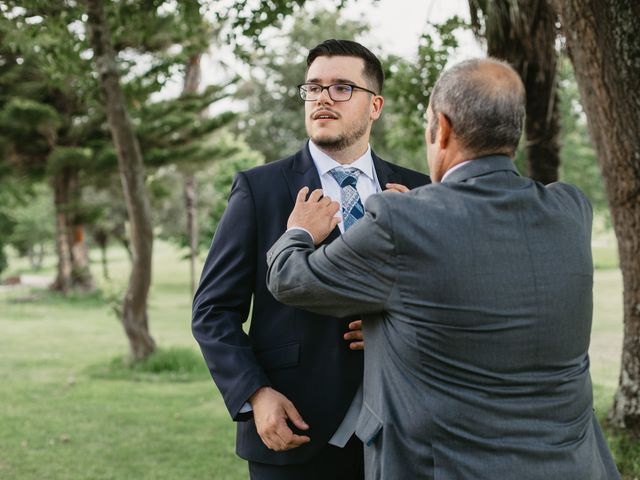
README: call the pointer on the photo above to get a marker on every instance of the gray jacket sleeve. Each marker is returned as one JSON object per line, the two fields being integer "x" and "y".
{"x": 352, "y": 275}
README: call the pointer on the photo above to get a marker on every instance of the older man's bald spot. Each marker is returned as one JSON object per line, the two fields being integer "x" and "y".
{"x": 496, "y": 78}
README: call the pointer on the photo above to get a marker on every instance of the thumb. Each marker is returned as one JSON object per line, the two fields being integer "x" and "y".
{"x": 294, "y": 416}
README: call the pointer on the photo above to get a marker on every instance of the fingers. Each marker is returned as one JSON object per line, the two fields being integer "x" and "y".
{"x": 294, "y": 416}
{"x": 397, "y": 187}
{"x": 355, "y": 336}
{"x": 334, "y": 222}
{"x": 355, "y": 325}
{"x": 356, "y": 340}
{"x": 302, "y": 195}
{"x": 297, "y": 440}
{"x": 285, "y": 439}
{"x": 271, "y": 410}
{"x": 280, "y": 437}
{"x": 315, "y": 195}
{"x": 355, "y": 332}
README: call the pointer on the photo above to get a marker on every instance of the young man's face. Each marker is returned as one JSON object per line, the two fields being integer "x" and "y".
{"x": 339, "y": 125}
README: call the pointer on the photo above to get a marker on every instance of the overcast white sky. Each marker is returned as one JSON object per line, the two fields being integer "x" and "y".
{"x": 397, "y": 24}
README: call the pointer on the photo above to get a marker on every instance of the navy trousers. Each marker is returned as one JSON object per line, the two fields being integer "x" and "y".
{"x": 332, "y": 463}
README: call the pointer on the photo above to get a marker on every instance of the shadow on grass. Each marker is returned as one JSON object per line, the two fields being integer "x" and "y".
{"x": 164, "y": 365}
{"x": 45, "y": 296}
{"x": 624, "y": 444}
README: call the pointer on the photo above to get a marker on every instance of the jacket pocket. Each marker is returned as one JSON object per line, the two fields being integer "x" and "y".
{"x": 279, "y": 357}
{"x": 369, "y": 425}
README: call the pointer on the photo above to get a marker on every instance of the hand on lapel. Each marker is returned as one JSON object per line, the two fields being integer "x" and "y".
{"x": 316, "y": 214}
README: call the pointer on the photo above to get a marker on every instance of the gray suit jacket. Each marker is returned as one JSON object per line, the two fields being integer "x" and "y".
{"x": 477, "y": 295}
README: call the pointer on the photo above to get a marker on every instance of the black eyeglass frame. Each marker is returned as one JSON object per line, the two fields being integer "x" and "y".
{"x": 327, "y": 87}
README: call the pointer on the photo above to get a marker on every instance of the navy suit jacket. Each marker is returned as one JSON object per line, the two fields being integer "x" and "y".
{"x": 298, "y": 353}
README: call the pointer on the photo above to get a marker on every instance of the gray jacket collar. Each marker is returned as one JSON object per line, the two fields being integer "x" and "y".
{"x": 481, "y": 166}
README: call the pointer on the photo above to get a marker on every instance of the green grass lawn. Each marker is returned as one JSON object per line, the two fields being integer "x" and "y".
{"x": 58, "y": 421}
{"x": 67, "y": 412}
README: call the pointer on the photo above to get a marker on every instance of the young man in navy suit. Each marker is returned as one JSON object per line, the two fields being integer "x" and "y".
{"x": 293, "y": 383}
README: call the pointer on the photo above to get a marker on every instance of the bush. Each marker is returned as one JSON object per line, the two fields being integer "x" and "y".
{"x": 164, "y": 365}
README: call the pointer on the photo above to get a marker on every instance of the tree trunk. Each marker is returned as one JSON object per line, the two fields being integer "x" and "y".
{"x": 523, "y": 33}
{"x": 80, "y": 273}
{"x": 191, "y": 84}
{"x": 101, "y": 238}
{"x": 119, "y": 232}
{"x": 190, "y": 200}
{"x": 36, "y": 256}
{"x": 134, "y": 305}
{"x": 62, "y": 282}
{"x": 81, "y": 278}
{"x": 604, "y": 49}
{"x": 192, "y": 75}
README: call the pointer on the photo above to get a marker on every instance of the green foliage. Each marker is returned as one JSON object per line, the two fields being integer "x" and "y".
{"x": 28, "y": 128}
{"x": 32, "y": 220}
{"x": 75, "y": 158}
{"x": 223, "y": 174}
{"x": 52, "y": 119}
{"x": 213, "y": 187}
{"x": 164, "y": 365}
{"x": 175, "y": 131}
{"x": 248, "y": 20}
{"x": 399, "y": 135}
{"x": 626, "y": 452}
{"x": 579, "y": 164}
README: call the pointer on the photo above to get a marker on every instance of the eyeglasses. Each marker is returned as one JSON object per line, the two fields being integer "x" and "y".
{"x": 338, "y": 92}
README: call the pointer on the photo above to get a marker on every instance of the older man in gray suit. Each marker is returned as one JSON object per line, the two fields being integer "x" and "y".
{"x": 478, "y": 294}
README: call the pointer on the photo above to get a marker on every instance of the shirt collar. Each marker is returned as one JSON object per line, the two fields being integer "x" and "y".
{"x": 453, "y": 169}
{"x": 324, "y": 162}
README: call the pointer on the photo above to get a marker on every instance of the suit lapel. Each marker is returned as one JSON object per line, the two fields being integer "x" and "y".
{"x": 302, "y": 172}
{"x": 384, "y": 172}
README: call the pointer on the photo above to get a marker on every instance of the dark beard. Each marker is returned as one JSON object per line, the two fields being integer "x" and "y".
{"x": 342, "y": 141}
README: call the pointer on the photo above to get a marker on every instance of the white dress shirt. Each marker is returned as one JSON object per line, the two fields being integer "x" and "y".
{"x": 367, "y": 185}
{"x": 367, "y": 181}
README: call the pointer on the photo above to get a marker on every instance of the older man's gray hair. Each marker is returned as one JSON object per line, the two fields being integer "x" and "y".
{"x": 486, "y": 112}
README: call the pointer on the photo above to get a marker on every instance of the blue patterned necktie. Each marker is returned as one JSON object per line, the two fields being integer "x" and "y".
{"x": 352, "y": 209}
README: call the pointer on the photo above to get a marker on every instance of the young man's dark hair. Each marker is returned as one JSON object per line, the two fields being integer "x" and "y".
{"x": 347, "y": 48}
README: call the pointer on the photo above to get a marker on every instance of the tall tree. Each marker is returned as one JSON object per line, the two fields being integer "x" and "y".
{"x": 601, "y": 38}
{"x": 134, "y": 307}
{"x": 191, "y": 85}
{"x": 44, "y": 89}
{"x": 523, "y": 33}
